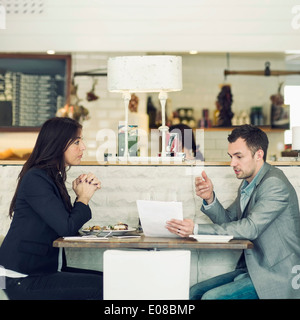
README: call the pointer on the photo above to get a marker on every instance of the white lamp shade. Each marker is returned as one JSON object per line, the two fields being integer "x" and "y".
{"x": 144, "y": 73}
{"x": 296, "y": 138}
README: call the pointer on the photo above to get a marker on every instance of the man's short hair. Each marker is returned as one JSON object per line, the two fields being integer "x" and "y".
{"x": 254, "y": 137}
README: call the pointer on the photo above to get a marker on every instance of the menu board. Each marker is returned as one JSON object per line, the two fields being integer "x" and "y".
{"x": 34, "y": 98}
{"x": 31, "y": 90}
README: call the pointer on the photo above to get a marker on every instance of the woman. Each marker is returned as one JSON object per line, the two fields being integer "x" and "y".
{"x": 41, "y": 211}
{"x": 187, "y": 141}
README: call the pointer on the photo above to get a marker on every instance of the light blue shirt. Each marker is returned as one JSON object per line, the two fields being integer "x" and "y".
{"x": 246, "y": 191}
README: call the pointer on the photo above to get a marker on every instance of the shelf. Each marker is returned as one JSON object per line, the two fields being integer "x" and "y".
{"x": 20, "y": 129}
{"x": 263, "y": 128}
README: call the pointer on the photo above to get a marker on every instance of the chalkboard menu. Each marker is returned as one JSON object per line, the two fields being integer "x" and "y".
{"x": 32, "y": 88}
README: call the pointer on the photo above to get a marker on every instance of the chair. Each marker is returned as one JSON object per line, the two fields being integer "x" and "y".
{"x": 3, "y": 295}
{"x": 145, "y": 275}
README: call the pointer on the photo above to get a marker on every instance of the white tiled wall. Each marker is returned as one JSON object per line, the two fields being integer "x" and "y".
{"x": 123, "y": 185}
{"x": 216, "y": 143}
{"x": 202, "y": 76}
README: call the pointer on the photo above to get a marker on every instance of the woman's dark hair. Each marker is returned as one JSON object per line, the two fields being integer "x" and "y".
{"x": 187, "y": 136}
{"x": 187, "y": 139}
{"x": 55, "y": 136}
{"x": 254, "y": 137}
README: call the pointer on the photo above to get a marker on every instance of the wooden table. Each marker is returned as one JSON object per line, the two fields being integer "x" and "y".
{"x": 152, "y": 243}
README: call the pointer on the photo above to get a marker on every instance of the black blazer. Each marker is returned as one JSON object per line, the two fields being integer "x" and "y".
{"x": 39, "y": 218}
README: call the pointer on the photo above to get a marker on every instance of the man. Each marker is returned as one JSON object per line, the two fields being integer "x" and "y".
{"x": 266, "y": 211}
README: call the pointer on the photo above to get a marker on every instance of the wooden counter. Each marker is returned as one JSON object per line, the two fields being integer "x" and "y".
{"x": 152, "y": 243}
{"x": 184, "y": 164}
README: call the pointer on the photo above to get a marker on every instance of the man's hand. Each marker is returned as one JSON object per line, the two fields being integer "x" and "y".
{"x": 182, "y": 228}
{"x": 204, "y": 188}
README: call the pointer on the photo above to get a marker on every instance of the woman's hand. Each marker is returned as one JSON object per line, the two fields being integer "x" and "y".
{"x": 85, "y": 186}
{"x": 182, "y": 228}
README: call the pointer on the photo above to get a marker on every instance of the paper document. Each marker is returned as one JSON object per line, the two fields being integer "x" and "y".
{"x": 84, "y": 238}
{"x": 155, "y": 214}
{"x": 211, "y": 238}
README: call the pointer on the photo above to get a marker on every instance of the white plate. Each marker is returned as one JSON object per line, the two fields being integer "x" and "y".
{"x": 113, "y": 232}
{"x": 116, "y": 232}
{"x": 211, "y": 238}
{"x": 87, "y": 231}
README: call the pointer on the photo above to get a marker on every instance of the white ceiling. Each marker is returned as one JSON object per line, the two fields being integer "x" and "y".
{"x": 151, "y": 25}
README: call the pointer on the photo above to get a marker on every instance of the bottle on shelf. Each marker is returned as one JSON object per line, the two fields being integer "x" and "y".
{"x": 256, "y": 116}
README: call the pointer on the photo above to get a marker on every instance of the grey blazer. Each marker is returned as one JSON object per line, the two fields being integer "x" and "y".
{"x": 271, "y": 221}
